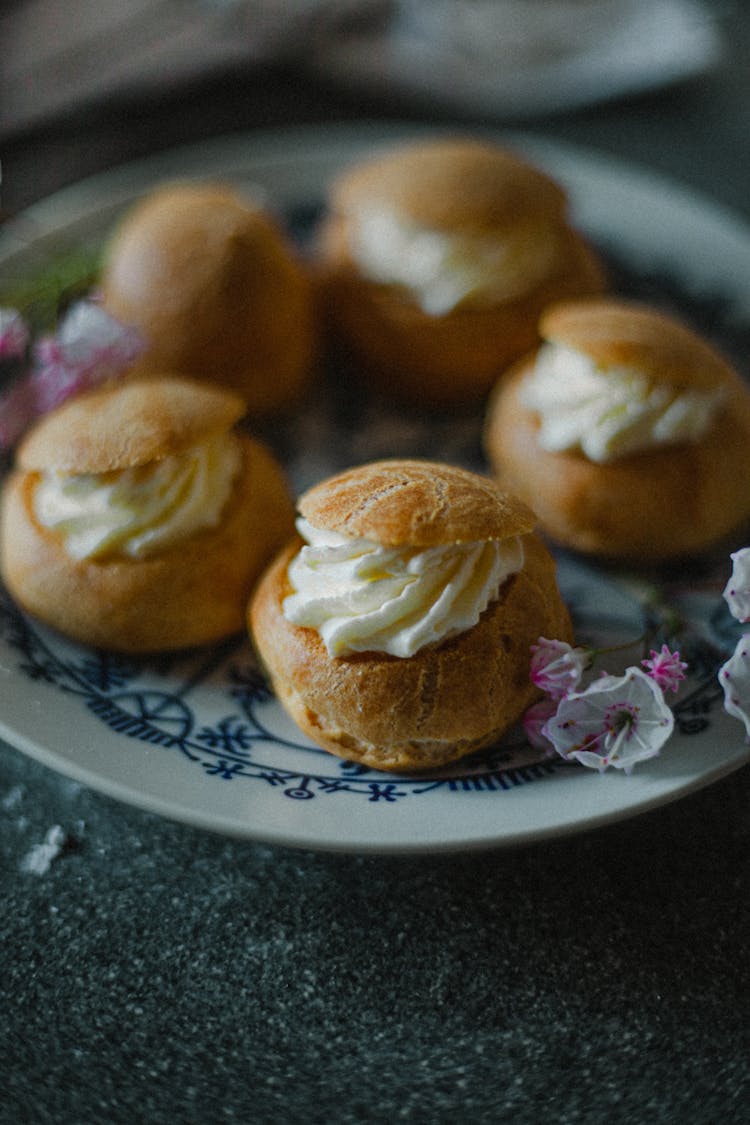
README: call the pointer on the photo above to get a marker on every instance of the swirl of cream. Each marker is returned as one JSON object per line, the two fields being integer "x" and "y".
{"x": 142, "y": 510}
{"x": 612, "y": 412}
{"x": 362, "y": 597}
{"x": 443, "y": 270}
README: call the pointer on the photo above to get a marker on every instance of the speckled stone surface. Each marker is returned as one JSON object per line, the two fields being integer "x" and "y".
{"x": 155, "y": 973}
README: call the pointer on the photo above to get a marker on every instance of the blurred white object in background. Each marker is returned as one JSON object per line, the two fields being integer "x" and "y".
{"x": 497, "y": 57}
{"x": 513, "y": 32}
{"x": 518, "y": 58}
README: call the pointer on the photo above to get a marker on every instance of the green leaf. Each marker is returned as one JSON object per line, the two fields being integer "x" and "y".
{"x": 44, "y": 294}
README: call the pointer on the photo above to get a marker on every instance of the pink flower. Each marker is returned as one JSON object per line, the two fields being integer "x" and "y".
{"x": 665, "y": 668}
{"x": 617, "y": 721}
{"x": 17, "y": 408}
{"x": 737, "y": 589}
{"x": 14, "y": 334}
{"x": 734, "y": 677}
{"x": 89, "y": 347}
{"x": 534, "y": 721}
{"x": 557, "y": 667}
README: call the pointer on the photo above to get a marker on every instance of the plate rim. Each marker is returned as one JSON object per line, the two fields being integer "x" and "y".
{"x": 347, "y": 138}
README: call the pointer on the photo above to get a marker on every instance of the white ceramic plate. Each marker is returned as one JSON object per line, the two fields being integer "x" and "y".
{"x": 198, "y": 738}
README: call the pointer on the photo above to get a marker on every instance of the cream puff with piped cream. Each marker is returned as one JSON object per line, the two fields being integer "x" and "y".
{"x": 217, "y": 291}
{"x": 437, "y": 258}
{"x": 138, "y": 516}
{"x": 396, "y": 628}
{"x": 627, "y": 433}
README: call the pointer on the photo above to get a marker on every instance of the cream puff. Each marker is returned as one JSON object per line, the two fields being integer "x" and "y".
{"x": 627, "y": 433}
{"x": 436, "y": 260}
{"x": 138, "y": 517}
{"x": 397, "y": 630}
{"x": 217, "y": 292}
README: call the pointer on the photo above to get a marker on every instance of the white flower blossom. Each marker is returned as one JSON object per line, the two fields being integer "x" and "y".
{"x": 617, "y": 721}
{"x": 734, "y": 677}
{"x": 737, "y": 589}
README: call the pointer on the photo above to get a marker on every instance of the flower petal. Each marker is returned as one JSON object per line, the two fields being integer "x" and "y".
{"x": 737, "y": 589}
{"x": 665, "y": 668}
{"x": 557, "y": 667}
{"x": 534, "y": 722}
{"x": 14, "y": 334}
{"x": 17, "y": 410}
{"x": 734, "y": 677}
{"x": 617, "y": 721}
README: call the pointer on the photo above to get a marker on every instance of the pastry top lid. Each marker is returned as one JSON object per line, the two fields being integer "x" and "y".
{"x": 414, "y": 503}
{"x": 182, "y": 236}
{"x": 451, "y": 184}
{"x": 124, "y": 424}
{"x": 176, "y": 207}
{"x": 616, "y": 333}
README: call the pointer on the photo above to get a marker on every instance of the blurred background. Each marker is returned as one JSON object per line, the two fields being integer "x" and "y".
{"x": 88, "y": 84}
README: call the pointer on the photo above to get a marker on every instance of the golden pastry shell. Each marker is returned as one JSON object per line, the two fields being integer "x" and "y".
{"x": 452, "y": 183}
{"x": 219, "y": 293}
{"x": 126, "y": 424}
{"x": 417, "y": 503}
{"x": 434, "y": 707}
{"x": 617, "y": 333}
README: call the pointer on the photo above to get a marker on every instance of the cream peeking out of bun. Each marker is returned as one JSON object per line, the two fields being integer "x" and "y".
{"x": 627, "y": 433}
{"x": 437, "y": 258}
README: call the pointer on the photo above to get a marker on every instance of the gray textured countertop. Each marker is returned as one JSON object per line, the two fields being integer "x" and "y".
{"x": 160, "y": 974}
{"x": 153, "y": 972}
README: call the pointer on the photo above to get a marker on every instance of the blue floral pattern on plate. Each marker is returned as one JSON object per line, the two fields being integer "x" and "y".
{"x": 233, "y": 732}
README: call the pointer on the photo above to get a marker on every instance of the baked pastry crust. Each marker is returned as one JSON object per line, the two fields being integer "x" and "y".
{"x": 414, "y": 503}
{"x": 455, "y": 182}
{"x": 192, "y": 593}
{"x": 128, "y": 424}
{"x": 445, "y": 701}
{"x": 643, "y": 507}
{"x": 618, "y": 333}
{"x": 453, "y": 185}
{"x": 217, "y": 291}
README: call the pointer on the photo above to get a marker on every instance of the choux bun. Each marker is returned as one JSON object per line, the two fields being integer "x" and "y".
{"x": 191, "y": 588}
{"x": 650, "y": 500}
{"x": 451, "y": 697}
{"x": 437, "y": 258}
{"x": 218, "y": 293}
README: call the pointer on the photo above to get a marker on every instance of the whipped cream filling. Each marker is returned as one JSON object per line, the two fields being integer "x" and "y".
{"x": 139, "y": 511}
{"x": 612, "y": 412}
{"x": 362, "y": 597}
{"x": 442, "y": 271}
